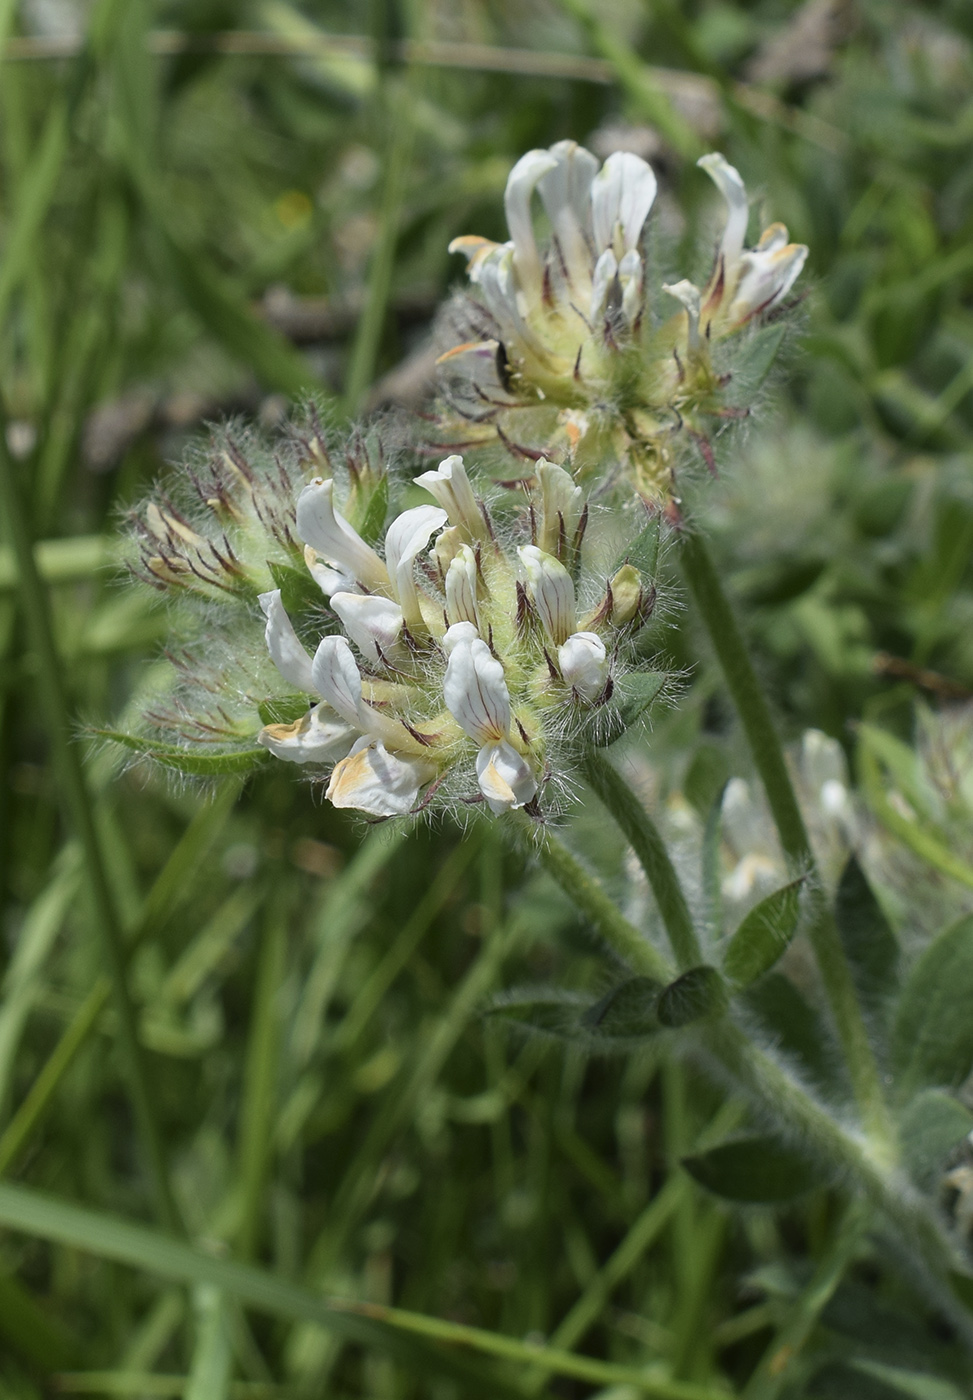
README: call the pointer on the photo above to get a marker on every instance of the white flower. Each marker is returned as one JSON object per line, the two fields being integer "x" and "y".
{"x": 329, "y": 580}
{"x": 373, "y": 623}
{"x": 583, "y": 660}
{"x": 552, "y": 591}
{"x": 286, "y": 651}
{"x": 373, "y": 780}
{"x": 746, "y": 282}
{"x": 450, "y": 485}
{"x": 337, "y": 680}
{"x": 317, "y": 737}
{"x": 461, "y": 588}
{"x": 521, "y": 183}
{"x": 475, "y": 690}
{"x": 565, "y": 192}
{"x": 330, "y": 535}
{"x": 691, "y": 299}
{"x": 505, "y": 777}
{"x": 622, "y": 193}
{"x": 562, "y": 508}
{"x": 406, "y": 538}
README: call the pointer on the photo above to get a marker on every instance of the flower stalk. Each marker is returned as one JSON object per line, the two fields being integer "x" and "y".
{"x": 643, "y": 836}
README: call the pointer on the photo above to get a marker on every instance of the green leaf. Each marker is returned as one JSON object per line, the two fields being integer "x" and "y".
{"x": 632, "y": 696}
{"x": 628, "y": 1012}
{"x": 932, "y": 1126}
{"x": 763, "y": 935}
{"x": 298, "y": 591}
{"x": 754, "y": 359}
{"x": 200, "y": 765}
{"x": 697, "y": 993}
{"x": 643, "y": 552}
{"x": 759, "y": 1168}
{"x": 373, "y": 516}
{"x": 284, "y": 709}
{"x": 933, "y": 1037}
{"x": 870, "y": 944}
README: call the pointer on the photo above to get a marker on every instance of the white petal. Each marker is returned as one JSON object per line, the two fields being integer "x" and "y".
{"x": 606, "y": 270}
{"x": 373, "y": 623}
{"x": 327, "y": 579}
{"x": 337, "y": 680}
{"x": 459, "y": 632}
{"x": 461, "y": 588}
{"x": 630, "y": 275}
{"x": 552, "y": 591}
{"x": 689, "y": 295}
{"x": 317, "y": 737}
{"x": 450, "y": 485}
{"x": 378, "y": 782}
{"x": 405, "y": 539}
{"x": 499, "y": 288}
{"x": 520, "y": 186}
{"x": 584, "y": 665}
{"x": 565, "y": 192}
{"x": 286, "y": 652}
{"x": 622, "y": 194}
{"x": 765, "y": 279}
{"x": 474, "y": 249}
{"x": 328, "y": 532}
{"x": 562, "y": 503}
{"x": 475, "y": 691}
{"x": 506, "y": 778}
{"x": 734, "y": 191}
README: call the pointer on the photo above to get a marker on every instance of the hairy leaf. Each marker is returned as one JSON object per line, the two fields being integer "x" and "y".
{"x": 933, "y": 1037}
{"x": 763, "y": 935}
{"x": 758, "y": 1168}
{"x": 628, "y": 1012}
{"x": 697, "y": 993}
{"x": 932, "y": 1126}
{"x": 871, "y": 946}
{"x": 200, "y": 765}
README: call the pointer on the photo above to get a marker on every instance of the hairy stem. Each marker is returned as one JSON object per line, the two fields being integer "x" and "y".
{"x": 79, "y": 812}
{"x": 751, "y": 705}
{"x": 643, "y": 836}
{"x": 768, "y": 1085}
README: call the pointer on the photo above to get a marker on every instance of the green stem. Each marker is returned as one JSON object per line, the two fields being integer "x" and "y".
{"x": 751, "y": 705}
{"x": 767, "y": 1084}
{"x": 643, "y": 836}
{"x": 624, "y": 938}
{"x": 80, "y": 815}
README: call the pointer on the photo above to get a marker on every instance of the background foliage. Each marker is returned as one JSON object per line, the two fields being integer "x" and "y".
{"x": 208, "y": 208}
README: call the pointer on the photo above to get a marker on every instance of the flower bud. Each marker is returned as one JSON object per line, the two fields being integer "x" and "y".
{"x": 584, "y": 664}
{"x": 552, "y": 591}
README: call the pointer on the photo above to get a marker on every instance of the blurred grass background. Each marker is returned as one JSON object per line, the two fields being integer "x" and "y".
{"x": 212, "y": 208}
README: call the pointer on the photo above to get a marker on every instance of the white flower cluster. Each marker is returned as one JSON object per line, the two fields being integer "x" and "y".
{"x": 564, "y": 327}
{"x": 458, "y": 657}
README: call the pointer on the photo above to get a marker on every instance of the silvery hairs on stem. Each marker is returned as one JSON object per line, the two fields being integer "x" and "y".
{"x": 563, "y": 341}
{"x": 460, "y": 655}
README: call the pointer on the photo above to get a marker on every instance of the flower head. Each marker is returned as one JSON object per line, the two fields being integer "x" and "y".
{"x": 564, "y": 349}
{"x": 463, "y": 666}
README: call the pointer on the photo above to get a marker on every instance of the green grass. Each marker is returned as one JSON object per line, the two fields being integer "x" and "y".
{"x": 246, "y": 1061}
